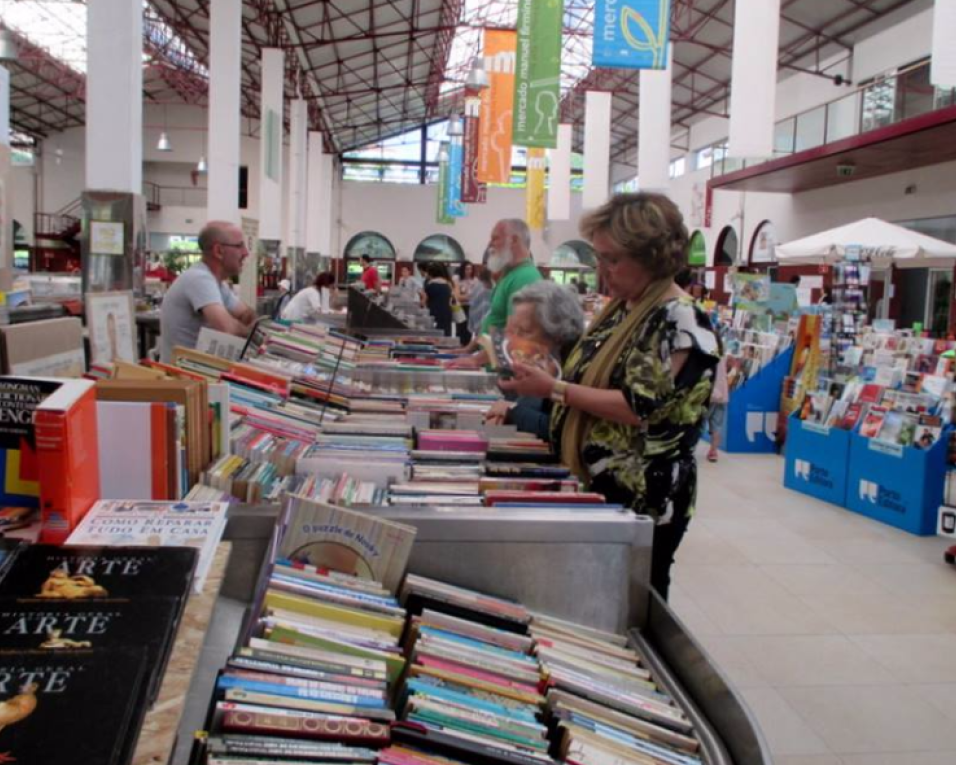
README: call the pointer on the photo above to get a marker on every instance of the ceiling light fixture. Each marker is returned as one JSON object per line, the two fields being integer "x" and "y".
{"x": 9, "y": 50}
{"x": 201, "y": 166}
{"x": 164, "y": 143}
{"x": 477, "y": 76}
{"x": 455, "y": 129}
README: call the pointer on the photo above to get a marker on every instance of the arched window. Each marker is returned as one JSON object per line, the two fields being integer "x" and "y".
{"x": 574, "y": 260}
{"x": 726, "y": 252}
{"x": 370, "y": 243}
{"x": 440, "y": 247}
{"x": 763, "y": 244}
{"x": 377, "y": 247}
{"x": 697, "y": 250}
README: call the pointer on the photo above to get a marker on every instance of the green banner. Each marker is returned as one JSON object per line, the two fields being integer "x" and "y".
{"x": 441, "y": 211}
{"x": 538, "y": 73}
{"x": 697, "y": 254}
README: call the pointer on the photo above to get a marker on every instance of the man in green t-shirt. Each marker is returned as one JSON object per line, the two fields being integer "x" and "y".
{"x": 509, "y": 258}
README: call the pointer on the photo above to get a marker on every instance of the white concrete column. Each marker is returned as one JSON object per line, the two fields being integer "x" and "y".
{"x": 6, "y": 223}
{"x": 271, "y": 144}
{"x": 597, "y": 148}
{"x": 654, "y": 128}
{"x": 114, "y": 96}
{"x": 318, "y": 227}
{"x": 298, "y": 169}
{"x": 559, "y": 176}
{"x": 222, "y": 142}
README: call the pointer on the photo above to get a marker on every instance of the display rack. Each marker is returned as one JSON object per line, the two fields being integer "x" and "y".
{"x": 817, "y": 460}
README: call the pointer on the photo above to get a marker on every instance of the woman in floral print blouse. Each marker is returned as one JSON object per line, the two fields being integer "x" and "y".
{"x": 635, "y": 390}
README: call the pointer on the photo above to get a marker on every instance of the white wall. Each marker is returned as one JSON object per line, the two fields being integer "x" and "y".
{"x": 405, "y": 214}
{"x": 20, "y": 197}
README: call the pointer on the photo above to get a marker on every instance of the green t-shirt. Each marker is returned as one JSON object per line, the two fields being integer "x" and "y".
{"x": 519, "y": 277}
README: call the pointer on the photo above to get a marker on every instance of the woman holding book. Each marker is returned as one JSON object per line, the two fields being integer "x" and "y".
{"x": 628, "y": 412}
{"x": 548, "y": 317}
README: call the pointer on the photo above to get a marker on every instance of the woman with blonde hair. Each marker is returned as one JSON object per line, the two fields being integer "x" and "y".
{"x": 628, "y": 412}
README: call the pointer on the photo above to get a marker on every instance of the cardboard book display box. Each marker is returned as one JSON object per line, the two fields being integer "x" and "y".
{"x": 817, "y": 460}
{"x": 50, "y": 348}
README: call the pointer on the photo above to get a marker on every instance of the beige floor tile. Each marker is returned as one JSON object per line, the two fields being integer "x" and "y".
{"x": 696, "y": 621}
{"x": 816, "y": 660}
{"x": 701, "y": 546}
{"x": 807, "y": 759}
{"x": 740, "y": 600}
{"x": 767, "y": 541}
{"x": 733, "y": 662}
{"x": 809, "y": 579}
{"x": 785, "y": 731}
{"x": 900, "y": 758}
{"x": 873, "y": 614}
{"x": 942, "y": 608}
{"x": 913, "y": 580}
{"x": 940, "y": 695}
{"x": 871, "y": 550}
{"x": 856, "y": 719}
{"x": 913, "y": 658}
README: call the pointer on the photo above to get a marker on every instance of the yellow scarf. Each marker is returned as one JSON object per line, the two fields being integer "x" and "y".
{"x": 578, "y": 424}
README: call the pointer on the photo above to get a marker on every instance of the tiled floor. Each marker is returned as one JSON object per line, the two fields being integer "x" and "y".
{"x": 839, "y": 632}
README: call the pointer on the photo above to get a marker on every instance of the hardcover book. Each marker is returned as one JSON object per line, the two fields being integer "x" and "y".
{"x": 71, "y": 706}
{"x": 70, "y": 573}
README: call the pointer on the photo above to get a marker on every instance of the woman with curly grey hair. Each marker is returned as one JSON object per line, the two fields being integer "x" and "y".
{"x": 634, "y": 391}
{"x": 549, "y": 316}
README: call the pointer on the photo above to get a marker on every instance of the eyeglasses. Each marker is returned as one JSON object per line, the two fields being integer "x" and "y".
{"x": 232, "y": 244}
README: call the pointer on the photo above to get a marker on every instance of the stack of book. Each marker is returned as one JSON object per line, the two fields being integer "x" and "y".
{"x": 246, "y": 480}
{"x": 85, "y": 635}
{"x": 603, "y": 700}
{"x": 344, "y": 491}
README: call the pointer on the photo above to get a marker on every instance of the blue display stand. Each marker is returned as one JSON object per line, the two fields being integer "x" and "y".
{"x": 898, "y": 485}
{"x": 817, "y": 460}
{"x": 750, "y": 423}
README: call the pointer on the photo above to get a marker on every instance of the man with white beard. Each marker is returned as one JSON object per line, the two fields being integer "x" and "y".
{"x": 509, "y": 259}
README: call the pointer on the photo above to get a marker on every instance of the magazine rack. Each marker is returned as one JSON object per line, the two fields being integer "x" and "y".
{"x": 817, "y": 460}
{"x": 901, "y": 486}
{"x": 750, "y": 425}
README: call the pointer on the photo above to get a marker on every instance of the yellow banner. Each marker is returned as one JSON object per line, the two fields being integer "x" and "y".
{"x": 497, "y": 106}
{"x": 535, "y": 200}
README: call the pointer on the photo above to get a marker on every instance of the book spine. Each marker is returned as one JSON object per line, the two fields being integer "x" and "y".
{"x": 305, "y": 726}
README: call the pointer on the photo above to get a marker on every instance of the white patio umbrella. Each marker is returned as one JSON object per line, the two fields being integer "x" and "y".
{"x": 882, "y": 244}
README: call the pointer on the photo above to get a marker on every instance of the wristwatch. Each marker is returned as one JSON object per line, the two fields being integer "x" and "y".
{"x": 559, "y": 393}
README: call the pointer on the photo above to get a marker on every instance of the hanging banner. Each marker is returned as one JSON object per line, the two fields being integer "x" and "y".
{"x": 535, "y": 200}
{"x": 453, "y": 206}
{"x": 631, "y": 34}
{"x": 497, "y": 107}
{"x": 537, "y": 92}
{"x": 473, "y": 191}
{"x": 442, "y": 215}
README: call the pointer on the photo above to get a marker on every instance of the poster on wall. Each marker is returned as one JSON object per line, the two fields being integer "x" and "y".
{"x": 751, "y": 291}
{"x": 109, "y": 320}
{"x": 106, "y": 237}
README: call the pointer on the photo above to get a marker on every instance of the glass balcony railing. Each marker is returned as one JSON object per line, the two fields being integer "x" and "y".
{"x": 883, "y": 102}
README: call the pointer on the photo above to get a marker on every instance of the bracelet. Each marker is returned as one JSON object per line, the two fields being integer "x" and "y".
{"x": 559, "y": 393}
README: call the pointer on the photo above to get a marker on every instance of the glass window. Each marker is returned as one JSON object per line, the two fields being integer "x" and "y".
{"x": 406, "y": 147}
{"x": 372, "y": 244}
{"x": 439, "y": 247}
{"x": 678, "y": 167}
{"x": 704, "y": 157}
{"x": 726, "y": 254}
{"x": 573, "y": 254}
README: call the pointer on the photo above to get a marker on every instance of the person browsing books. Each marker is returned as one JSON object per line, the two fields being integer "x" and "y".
{"x": 509, "y": 257}
{"x": 200, "y": 297}
{"x": 312, "y": 301}
{"x": 627, "y": 414}
{"x": 548, "y": 317}
{"x": 370, "y": 276}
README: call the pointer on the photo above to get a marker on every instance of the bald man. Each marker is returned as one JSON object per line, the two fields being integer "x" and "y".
{"x": 200, "y": 297}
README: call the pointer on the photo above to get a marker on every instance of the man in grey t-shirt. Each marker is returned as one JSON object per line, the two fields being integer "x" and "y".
{"x": 200, "y": 298}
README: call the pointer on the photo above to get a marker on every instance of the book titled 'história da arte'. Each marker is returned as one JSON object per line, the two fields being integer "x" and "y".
{"x": 69, "y": 707}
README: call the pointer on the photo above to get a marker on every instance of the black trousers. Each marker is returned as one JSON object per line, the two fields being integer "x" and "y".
{"x": 667, "y": 538}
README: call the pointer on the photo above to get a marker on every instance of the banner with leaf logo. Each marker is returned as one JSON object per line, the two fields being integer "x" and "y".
{"x": 631, "y": 34}
{"x": 537, "y": 95}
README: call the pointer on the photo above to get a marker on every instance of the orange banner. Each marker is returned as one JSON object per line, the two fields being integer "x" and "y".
{"x": 534, "y": 202}
{"x": 497, "y": 106}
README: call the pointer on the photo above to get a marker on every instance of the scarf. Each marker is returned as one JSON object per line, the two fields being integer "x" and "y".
{"x": 578, "y": 424}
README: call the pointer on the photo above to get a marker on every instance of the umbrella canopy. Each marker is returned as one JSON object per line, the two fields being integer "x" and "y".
{"x": 882, "y": 244}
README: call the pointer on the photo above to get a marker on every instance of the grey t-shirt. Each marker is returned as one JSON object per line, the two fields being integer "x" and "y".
{"x": 181, "y": 317}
